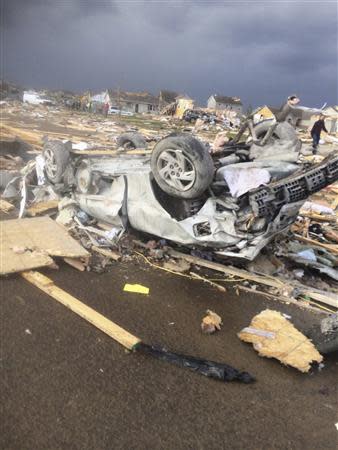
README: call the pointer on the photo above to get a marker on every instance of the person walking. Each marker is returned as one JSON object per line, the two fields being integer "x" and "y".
{"x": 317, "y": 128}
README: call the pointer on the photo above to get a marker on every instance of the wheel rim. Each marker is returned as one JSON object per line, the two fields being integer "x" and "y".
{"x": 50, "y": 163}
{"x": 84, "y": 178}
{"x": 176, "y": 169}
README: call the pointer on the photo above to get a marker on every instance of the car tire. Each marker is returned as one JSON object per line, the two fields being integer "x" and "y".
{"x": 56, "y": 155}
{"x": 182, "y": 167}
{"x": 131, "y": 140}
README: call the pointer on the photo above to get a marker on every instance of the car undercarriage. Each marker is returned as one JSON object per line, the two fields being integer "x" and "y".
{"x": 232, "y": 202}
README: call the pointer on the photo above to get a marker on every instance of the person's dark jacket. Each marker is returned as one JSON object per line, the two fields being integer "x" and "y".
{"x": 318, "y": 127}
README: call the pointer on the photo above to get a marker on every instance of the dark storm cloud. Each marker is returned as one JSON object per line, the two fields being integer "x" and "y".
{"x": 261, "y": 50}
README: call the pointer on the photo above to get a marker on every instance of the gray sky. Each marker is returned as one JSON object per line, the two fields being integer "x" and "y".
{"x": 261, "y": 51}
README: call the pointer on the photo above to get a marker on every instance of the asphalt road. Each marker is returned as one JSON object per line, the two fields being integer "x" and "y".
{"x": 66, "y": 385}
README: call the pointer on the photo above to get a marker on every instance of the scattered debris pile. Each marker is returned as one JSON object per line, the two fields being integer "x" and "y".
{"x": 300, "y": 266}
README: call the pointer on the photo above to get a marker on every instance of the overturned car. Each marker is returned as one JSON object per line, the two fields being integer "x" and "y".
{"x": 233, "y": 202}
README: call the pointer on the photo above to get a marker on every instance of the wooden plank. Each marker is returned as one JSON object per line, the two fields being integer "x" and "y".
{"x": 331, "y": 300}
{"x": 108, "y": 253}
{"x": 28, "y": 243}
{"x": 6, "y": 206}
{"x": 41, "y": 207}
{"x": 318, "y": 217}
{"x": 76, "y": 263}
{"x": 330, "y": 247}
{"x": 90, "y": 315}
{"x": 230, "y": 270}
{"x": 315, "y": 294}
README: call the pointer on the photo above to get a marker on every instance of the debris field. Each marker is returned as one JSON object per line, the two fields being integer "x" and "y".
{"x": 95, "y": 194}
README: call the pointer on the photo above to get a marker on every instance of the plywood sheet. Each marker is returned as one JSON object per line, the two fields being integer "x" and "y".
{"x": 29, "y": 243}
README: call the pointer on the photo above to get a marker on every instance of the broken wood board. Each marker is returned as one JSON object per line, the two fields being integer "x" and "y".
{"x": 330, "y": 247}
{"x": 279, "y": 298}
{"x": 284, "y": 287}
{"x": 6, "y": 206}
{"x": 273, "y": 336}
{"x": 108, "y": 253}
{"x": 29, "y": 243}
{"x": 230, "y": 270}
{"x": 330, "y": 299}
{"x": 319, "y": 217}
{"x": 98, "y": 320}
{"x": 41, "y": 207}
{"x": 76, "y": 263}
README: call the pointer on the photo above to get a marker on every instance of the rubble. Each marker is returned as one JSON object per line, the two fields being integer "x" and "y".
{"x": 315, "y": 227}
{"x": 211, "y": 322}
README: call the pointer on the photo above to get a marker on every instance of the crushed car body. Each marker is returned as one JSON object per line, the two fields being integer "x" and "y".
{"x": 232, "y": 202}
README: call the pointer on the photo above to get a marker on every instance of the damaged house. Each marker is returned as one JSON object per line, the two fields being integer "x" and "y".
{"x": 221, "y": 102}
{"x": 134, "y": 102}
{"x": 167, "y": 97}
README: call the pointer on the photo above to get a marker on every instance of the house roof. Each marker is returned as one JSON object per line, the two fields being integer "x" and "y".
{"x": 168, "y": 96}
{"x": 133, "y": 97}
{"x": 227, "y": 100}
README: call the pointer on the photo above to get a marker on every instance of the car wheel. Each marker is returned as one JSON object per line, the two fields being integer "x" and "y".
{"x": 131, "y": 140}
{"x": 85, "y": 180}
{"x": 56, "y": 155}
{"x": 182, "y": 166}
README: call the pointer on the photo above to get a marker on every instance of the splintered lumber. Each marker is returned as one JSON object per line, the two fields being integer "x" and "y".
{"x": 76, "y": 263}
{"x": 41, "y": 207}
{"x": 330, "y": 247}
{"x": 273, "y": 336}
{"x": 98, "y": 320}
{"x": 230, "y": 270}
{"x": 322, "y": 297}
{"x": 108, "y": 253}
{"x": 6, "y": 206}
{"x": 319, "y": 217}
{"x": 33, "y": 138}
{"x": 315, "y": 294}
{"x": 29, "y": 243}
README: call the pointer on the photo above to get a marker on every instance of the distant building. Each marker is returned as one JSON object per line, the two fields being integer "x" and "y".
{"x": 183, "y": 102}
{"x": 135, "y": 102}
{"x": 263, "y": 113}
{"x": 167, "y": 97}
{"x": 35, "y": 98}
{"x": 220, "y": 102}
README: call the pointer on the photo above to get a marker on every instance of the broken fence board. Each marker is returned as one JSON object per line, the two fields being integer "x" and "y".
{"x": 98, "y": 320}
